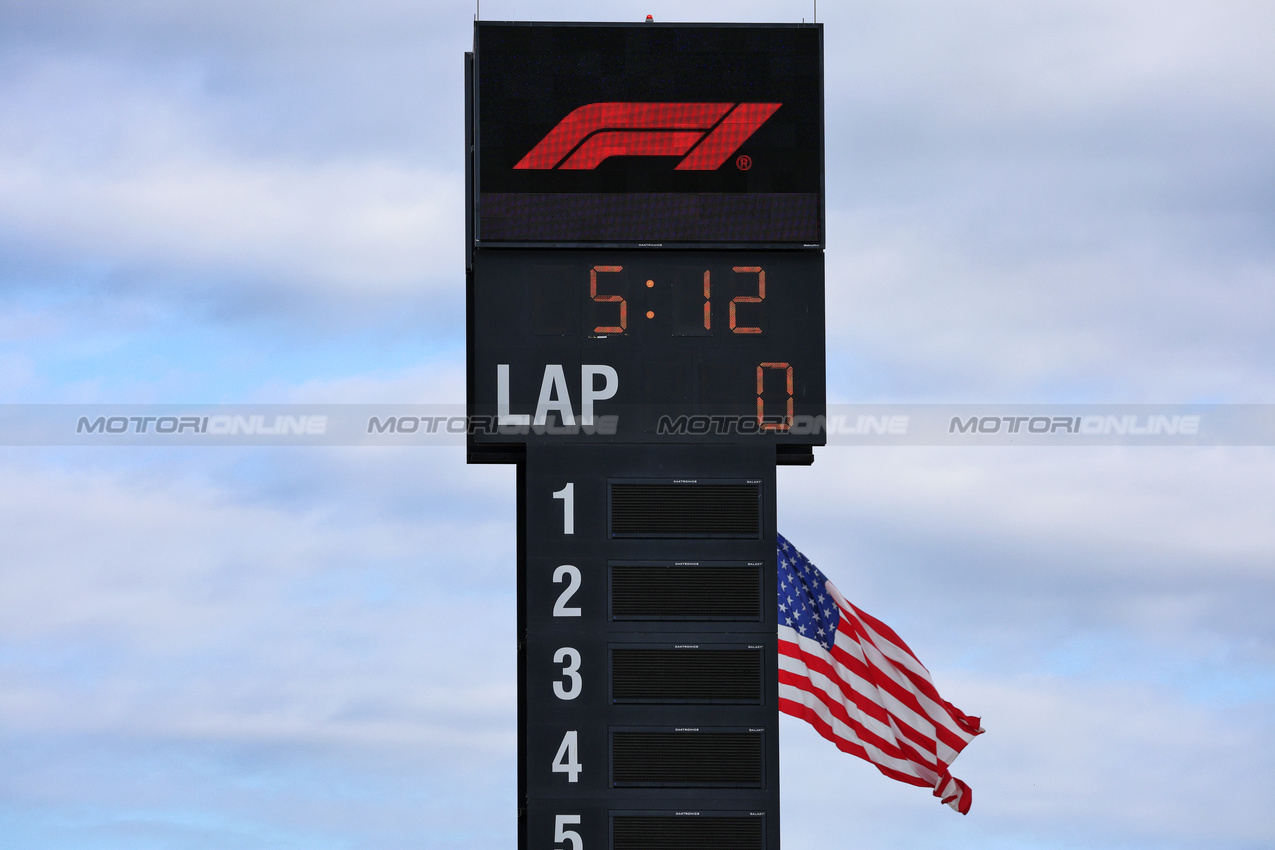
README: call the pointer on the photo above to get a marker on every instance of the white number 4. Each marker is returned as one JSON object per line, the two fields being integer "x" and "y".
{"x": 567, "y": 759}
{"x": 560, "y": 835}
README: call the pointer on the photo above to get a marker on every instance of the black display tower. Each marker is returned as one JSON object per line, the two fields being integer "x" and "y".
{"x": 645, "y": 320}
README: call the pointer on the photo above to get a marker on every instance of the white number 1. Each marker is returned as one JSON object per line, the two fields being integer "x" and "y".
{"x": 568, "y": 496}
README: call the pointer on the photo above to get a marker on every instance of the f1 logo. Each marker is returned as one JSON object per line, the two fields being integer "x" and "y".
{"x": 705, "y": 134}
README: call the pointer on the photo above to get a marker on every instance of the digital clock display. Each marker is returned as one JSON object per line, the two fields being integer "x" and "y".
{"x": 704, "y": 344}
{"x": 624, "y": 134}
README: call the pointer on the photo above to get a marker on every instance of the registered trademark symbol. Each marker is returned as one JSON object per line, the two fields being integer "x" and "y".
{"x": 743, "y": 162}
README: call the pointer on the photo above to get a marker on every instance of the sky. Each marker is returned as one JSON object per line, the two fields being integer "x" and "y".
{"x": 313, "y": 647}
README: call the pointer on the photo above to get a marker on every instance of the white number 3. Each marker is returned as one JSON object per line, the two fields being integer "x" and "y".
{"x": 572, "y": 658}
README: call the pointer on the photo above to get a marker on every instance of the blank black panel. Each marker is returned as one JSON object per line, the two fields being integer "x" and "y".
{"x": 553, "y": 302}
{"x": 666, "y": 383}
{"x": 687, "y": 759}
{"x": 668, "y": 832}
{"x": 700, "y": 510}
{"x": 722, "y": 385}
{"x": 685, "y": 593}
{"x": 725, "y": 676}
{"x": 667, "y": 391}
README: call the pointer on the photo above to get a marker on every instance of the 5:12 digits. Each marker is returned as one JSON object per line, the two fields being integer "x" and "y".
{"x": 687, "y": 298}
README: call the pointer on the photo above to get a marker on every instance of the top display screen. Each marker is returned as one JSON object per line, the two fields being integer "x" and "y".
{"x": 648, "y": 135}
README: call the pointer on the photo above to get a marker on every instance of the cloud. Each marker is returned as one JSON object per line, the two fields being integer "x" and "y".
{"x": 314, "y": 647}
{"x": 323, "y": 229}
{"x": 439, "y": 382}
{"x": 1103, "y": 611}
{"x": 1153, "y": 513}
{"x": 287, "y": 647}
{"x": 1056, "y": 200}
{"x": 182, "y": 171}
{"x": 1064, "y": 764}
{"x": 179, "y": 612}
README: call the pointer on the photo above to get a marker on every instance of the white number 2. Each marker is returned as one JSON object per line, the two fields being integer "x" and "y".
{"x": 572, "y": 575}
{"x": 567, "y": 759}
{"x": 572, "y": 658}
{"x": 560, "y": 835}
{"x": 568, "y": 496}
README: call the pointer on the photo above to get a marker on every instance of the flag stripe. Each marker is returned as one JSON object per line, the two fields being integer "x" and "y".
{"x": 893, "y": 697}
{"x": 896, "y": 765}
{"x": 860, "y": 686}
{"x": 866, "y": 693}
{"x": 893, "y": 647}
{"x": 921, "y": 712}
{"x": 875, "y": 726}
{"x": 844, "y": 707}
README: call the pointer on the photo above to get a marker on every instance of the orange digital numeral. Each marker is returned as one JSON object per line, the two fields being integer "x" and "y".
{"x": 761, "y": 405}
{"x": 608, "y": 299}
{"x": 707, "y": 303}
{"x": 748, "y": 299}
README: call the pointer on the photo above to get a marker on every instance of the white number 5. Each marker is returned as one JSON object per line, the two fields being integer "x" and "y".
{"x": 560, "y": 835}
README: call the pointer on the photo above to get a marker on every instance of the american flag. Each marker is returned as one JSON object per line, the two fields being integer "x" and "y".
{"x": 852, "y": 678}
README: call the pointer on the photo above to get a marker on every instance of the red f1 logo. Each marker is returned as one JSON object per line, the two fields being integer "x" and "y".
{"x": 706, "y": 134}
